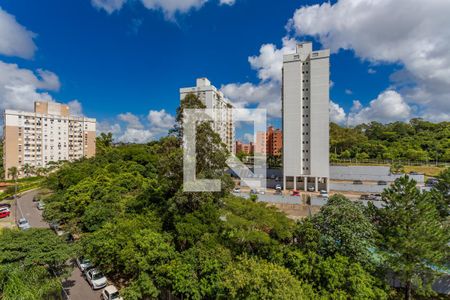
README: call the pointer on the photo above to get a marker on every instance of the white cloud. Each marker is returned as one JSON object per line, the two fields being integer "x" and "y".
{"x": 227, "y": 2}
{"x": 263, "y": 95}
{"x": 348, "y": 92}
{"x": 137, "y": 136}
{"x": 371, "y": 71}
{"x": 389, "y": 106}
{"x": 130, "y": 128}
{"x": 269, "y": 62}
{"x": 248, "y": 137}
{"x": 169, "y": 7}
{"x": 19, "y": 88}
{"x": 108, "y": 5}
{"x": 389, "y": 31}
{"x": 15, "y": 39}
{"x": 131, "y": 120}
{"x": 337, "y": 113}
{"x": 105, "y": 127}
{"x": 266, "y": 93}
{"x": 161, "y": 119}
{"x": 76, "y": 108}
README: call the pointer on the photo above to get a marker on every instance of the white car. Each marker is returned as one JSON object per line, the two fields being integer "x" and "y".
{"x": 111, "y": 293}
{"x": 236, "y": 190}
{"x": 40, "y": 205}
{"x": 84, "y": 264}
{"x": 23, "y": 224}
{"x": 324, "y": 194}
{"x": 96, "y": 279}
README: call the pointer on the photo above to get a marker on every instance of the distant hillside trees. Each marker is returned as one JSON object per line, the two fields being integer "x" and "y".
{"x": 417, "y": 140}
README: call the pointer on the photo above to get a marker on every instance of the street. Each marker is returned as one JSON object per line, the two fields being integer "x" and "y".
{"x": 76, "y": 287}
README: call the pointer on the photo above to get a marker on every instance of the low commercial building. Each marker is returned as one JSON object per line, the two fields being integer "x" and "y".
{"x": 48, "y": 134}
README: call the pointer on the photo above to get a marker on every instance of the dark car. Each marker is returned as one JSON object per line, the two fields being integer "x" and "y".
{"x": 357, "y": 182}
{"x": 7, "y": 205}
{"x": 431, "y": 182}
{"x": 364, "y": 197}
{"x": 382, "y": 182}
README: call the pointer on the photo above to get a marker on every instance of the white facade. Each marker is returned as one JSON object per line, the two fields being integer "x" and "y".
{"x": 305, "y": 100}
{"x": 214, "y": 99}
{"x": 46, "y": 135}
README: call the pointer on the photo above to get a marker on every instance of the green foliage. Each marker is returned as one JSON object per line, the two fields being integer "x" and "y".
{"x": 250, "y": 278}
{"x": 413, "y": 239}
{"x": 32, "y": 263}
{"x": 155, "y": 240}
{"x": 340, "y": 227}
{"x": 417, "y": 140}
{"x": 104, "y": 142}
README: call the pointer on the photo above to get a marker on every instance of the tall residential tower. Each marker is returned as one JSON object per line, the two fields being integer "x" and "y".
{"x": 305, "y": 102}
{"x": 49, "y": 134}
{"x": 214, "y": 99}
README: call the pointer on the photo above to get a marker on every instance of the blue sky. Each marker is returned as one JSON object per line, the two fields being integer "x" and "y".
{"x": 123, "y": 62}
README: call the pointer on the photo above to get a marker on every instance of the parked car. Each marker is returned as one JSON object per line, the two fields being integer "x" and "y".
{"x": 381, "y": 182}
{"x": 5, "y": 205}
{"x": 295, "y": 193}
{"x": 96, "y": 279}
{"x": 4, "y": 212}
{"x": 278, "y": 187}
{"x": 111, "y": 293}
{"x": 324, "y": 193}
{"x": 23, "y": 224}
{"x": 40, "y": 205}
{"x": 236, "y": 190}
{"x": 261, "y": 192}
{"x": 357, "y": 182}
{"x": 364, "y": 197}
{"x": 253, "y": 192}
{"x": 431, "y": 182}
{"x": 83, "y": 264}
{"x": 311, "y": 189}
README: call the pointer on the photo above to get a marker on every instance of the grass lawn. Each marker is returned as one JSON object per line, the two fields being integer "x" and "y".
{"x": 429, "y": 171}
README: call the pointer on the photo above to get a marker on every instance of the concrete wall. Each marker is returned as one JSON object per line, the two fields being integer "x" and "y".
{"x": 360, "y": 188}
{"x": 367, "y": 173}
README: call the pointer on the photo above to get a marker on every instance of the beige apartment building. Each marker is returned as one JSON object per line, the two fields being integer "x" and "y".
{"x": 49, "y": 134}
{"x": 223, "y": 114}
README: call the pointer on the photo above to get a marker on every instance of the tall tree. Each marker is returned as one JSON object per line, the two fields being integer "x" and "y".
{"x": 343, "y": 229}
{"x": 413, "y": 240}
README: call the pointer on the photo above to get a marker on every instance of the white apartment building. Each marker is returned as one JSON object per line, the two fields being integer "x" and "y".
{"x": 305, "y": 110}
{"x": 214, "y": 99}
{"x": 49, "y": 134}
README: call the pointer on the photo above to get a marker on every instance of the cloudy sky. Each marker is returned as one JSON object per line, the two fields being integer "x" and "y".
{"x": 123, "y": 62}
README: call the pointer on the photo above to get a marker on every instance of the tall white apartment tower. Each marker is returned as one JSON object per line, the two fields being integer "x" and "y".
{"x": 214, "y": 99}
{"x": 305, "y": 109}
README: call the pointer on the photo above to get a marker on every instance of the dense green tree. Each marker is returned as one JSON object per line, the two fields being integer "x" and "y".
{"x": 32, "y": 263}
{"x": 334, "y": 277}
{"x": 413, "y": 239}
{"x": 342, "y": 228}
{"x": 441, "y": 194}
{"x": 417, "y": 140}
{"x": 250, "y": 278}
{"x": 104, "y": 142}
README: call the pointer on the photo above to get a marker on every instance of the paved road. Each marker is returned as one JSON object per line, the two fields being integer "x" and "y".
{"x": 75, "y": 286}
{"x": 26, "y": 208}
